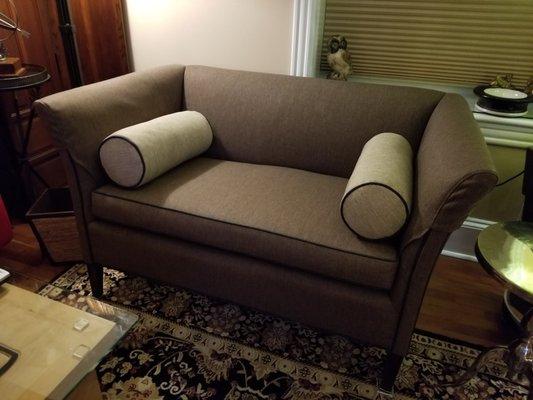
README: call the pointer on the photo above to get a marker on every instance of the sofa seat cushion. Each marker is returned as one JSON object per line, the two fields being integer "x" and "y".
{"x": 283, "y": 215}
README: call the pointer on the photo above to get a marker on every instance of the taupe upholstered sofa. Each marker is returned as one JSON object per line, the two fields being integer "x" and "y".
{"x": 256, "y": 219}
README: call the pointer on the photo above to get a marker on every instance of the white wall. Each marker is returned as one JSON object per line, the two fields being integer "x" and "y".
{"x": 252, "y": 35}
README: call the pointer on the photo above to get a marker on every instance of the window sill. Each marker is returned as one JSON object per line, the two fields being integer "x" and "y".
{"x": 500, "y": 131}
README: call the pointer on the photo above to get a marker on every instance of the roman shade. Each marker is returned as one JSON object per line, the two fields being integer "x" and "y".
{"x": 463, "y": 42}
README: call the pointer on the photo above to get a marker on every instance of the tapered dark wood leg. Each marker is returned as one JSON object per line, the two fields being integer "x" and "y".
{"x": 390, "y": 371}
{"x": 96, "y": 278}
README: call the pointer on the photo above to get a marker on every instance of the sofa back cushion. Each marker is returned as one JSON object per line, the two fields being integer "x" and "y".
{"x": 312, "y": 124}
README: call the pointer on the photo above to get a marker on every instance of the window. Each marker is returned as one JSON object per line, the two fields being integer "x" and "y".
{"x": 460, "y": 42}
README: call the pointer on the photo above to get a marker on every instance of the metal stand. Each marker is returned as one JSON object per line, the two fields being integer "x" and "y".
{"x": 33, "y": 78}
{"x": 25, "y": 135}
{"x": 527, "y": 187}
{"x": 514, "y": 307}
{"x": 518, "y": 355}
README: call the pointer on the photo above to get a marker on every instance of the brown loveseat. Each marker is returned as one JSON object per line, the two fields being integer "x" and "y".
{"x": 256, "y": 219}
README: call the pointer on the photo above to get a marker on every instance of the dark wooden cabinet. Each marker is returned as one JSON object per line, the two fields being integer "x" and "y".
{"x": 101, "y": 53}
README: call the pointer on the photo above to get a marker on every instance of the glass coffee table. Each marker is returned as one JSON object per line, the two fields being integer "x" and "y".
{"x": 50, "y": 349}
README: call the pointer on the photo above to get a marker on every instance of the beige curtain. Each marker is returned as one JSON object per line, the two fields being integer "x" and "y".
{"x": 465, "y": 42}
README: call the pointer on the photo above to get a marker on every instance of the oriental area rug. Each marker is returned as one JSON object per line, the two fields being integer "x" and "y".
{"x": 190, "y": 346}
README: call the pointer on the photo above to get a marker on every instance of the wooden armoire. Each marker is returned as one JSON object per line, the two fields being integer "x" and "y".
{"x": 79, "y": 42}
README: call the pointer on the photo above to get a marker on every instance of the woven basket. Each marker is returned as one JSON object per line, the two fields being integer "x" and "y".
{"x": 52, "y": 220}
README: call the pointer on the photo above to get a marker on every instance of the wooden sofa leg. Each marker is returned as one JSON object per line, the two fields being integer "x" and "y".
{"x": 390, "y": 371}
{"x": 96, "y": 278}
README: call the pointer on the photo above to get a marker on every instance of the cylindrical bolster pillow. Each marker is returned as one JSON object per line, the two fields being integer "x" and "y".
{"x": 377, "y": 200}
{"x": 137, "y": 154}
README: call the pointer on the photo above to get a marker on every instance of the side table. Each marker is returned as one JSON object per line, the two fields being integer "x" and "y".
{"x": 33, "y": 78}
{"x": 505, "y": 250}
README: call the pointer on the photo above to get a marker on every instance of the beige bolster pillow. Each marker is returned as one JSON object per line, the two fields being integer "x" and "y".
{"x": 140, "y": 153}
{"x": 377, "y": 200}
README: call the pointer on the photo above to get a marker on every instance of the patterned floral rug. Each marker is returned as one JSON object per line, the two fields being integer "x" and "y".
{"x": 189, "y": 346}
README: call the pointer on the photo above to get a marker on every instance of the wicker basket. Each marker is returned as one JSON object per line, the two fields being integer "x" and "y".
{"x": 52, "y": 220}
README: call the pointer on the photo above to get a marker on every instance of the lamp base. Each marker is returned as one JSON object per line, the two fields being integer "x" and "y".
{"x": 11, "y": 66}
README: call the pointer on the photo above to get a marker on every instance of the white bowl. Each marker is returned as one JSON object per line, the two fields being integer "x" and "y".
{"x": 505, "y": 93}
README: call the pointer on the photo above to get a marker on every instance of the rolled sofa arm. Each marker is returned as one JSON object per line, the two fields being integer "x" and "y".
{"x": 453, "y": 171}
{"x": 80, "y": 118}
{"x": 453, "y": 167}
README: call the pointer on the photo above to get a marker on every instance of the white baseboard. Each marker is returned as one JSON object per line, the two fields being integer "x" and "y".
{"x": 462, "y": 242}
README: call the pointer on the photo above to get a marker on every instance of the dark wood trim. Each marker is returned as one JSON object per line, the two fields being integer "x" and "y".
{"x": 391, "y": 367}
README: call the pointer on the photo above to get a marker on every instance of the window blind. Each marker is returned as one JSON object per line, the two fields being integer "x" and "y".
{"x": 453, "y": 41}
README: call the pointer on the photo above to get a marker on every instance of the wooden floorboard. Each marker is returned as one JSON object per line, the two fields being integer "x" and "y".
{"x": 23, "y": 259}
{"x": 462, "y": 301}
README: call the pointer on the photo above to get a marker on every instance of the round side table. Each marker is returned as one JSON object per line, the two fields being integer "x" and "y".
{"x": 505, "y": 250}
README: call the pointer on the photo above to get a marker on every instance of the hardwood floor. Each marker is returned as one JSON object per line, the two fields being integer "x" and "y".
{"x": 462, "y": 301}
{"x": 24, "y": 261}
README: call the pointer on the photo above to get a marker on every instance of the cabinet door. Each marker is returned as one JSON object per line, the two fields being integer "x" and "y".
{"x": 100, "y": 38}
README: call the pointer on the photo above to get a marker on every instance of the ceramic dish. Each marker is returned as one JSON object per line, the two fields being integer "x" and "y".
{"x": 505, "y": 93}
{"x": 502, "y": 102}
